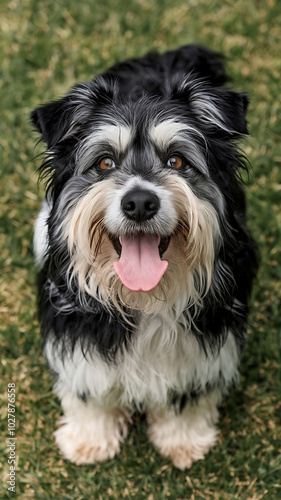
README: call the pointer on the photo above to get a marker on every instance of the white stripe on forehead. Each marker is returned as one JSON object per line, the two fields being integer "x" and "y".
{"x": 165, "y": 132}
{"x": 117, "y": 137}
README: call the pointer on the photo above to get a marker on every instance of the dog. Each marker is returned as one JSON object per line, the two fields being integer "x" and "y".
{"x": 145, "y": 262}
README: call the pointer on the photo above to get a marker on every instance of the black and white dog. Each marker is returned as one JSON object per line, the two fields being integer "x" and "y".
{"x": 145, "y": 261}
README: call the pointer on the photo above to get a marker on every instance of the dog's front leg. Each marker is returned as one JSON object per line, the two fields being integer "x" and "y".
{"x": 90, "y": 432}
{"x": 187, "y": 436}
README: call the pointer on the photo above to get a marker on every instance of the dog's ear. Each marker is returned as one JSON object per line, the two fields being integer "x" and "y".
{"x": 228, "y": 110}
{"x": 217, "y": 108}
{"x": 56, "y": 120}
{"x": 52, "y": 120}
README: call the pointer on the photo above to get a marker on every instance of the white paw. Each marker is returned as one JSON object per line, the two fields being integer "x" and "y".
{"x": 183, "y": 455}
{"x": 183, "y": 438}
{"x": 93, "y": 436}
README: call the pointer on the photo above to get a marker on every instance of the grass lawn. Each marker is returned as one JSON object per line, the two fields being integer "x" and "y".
{"x": 45, "y": 47}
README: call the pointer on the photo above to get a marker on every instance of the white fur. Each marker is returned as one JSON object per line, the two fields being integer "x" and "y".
{"x": 40, "y": 239}
{"x": 165, "y": 132}
{"x": 163, "y": 356}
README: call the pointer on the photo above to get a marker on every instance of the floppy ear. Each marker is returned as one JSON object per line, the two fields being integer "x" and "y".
{"x": 55, "y": 120}
{"x": 218, "y": 108}
{"x": 233, "y": 108}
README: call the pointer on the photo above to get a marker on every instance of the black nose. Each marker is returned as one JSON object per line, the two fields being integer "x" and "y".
{"x": 140, "y": 205}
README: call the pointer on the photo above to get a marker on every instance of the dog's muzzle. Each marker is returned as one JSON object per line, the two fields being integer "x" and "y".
{"x": 140, "y": 267}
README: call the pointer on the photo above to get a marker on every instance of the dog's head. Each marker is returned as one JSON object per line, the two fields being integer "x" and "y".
{"x": 138, "y": 188}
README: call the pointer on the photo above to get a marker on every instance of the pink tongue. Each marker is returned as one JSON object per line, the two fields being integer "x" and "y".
{"x": 140, "y": 267}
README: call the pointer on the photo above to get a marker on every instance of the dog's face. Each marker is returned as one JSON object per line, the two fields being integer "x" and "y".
{"x": 138, "y": 189}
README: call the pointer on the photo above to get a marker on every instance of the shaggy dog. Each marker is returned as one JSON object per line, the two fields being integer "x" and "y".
{"x": 144, "y": 258}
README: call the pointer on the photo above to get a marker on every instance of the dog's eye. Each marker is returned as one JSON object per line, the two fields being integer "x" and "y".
{"x": 175, "y": 161}
{"x": 106, "y": 163}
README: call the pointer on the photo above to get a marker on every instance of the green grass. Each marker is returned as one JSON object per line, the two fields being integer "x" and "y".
{"x": 46, "y": 46}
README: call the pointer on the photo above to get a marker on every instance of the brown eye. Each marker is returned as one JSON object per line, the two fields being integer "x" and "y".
{"x": 106, "y": 163}
{"x": 175, "y": 161}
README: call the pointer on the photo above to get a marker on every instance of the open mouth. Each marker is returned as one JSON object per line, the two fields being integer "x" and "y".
{"x": 162, "y": 247}
{"x": 140, "y": 267}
